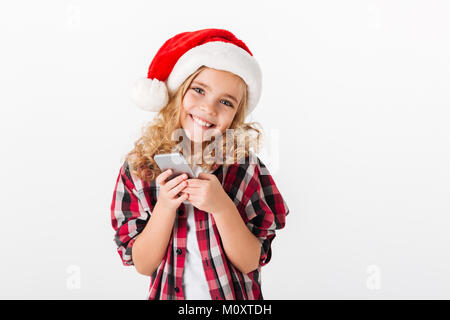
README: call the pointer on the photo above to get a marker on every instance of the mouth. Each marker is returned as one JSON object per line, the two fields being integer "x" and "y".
{"x": 201, "y": 123}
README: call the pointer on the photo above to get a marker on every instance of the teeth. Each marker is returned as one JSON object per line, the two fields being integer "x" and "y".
{"x": 200, "y": 122}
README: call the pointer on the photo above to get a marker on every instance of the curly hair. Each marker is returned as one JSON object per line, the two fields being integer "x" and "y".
{"x": 157, "y": 137}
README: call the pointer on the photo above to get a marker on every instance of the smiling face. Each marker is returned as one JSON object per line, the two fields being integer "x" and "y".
{"x": 210, "y": 103}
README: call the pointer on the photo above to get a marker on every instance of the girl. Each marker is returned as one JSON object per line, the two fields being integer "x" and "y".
{"x": 208, "y": 237}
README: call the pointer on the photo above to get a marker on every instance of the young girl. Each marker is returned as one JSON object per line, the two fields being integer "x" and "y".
{"x": 208, "y": 237}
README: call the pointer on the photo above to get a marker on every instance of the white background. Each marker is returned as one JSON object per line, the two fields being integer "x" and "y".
{"x": 355, "y": 95}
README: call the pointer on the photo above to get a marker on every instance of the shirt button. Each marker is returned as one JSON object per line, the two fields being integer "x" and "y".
{"x": 179, "y": 251}
{"x": 177, "y": 289}
{"x": 180, "y": 212}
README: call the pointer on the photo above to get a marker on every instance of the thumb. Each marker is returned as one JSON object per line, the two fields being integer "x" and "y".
{"x": 204, "y": 176}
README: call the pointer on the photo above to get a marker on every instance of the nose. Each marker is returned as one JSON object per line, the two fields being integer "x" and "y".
{"x": 208, "y": 107}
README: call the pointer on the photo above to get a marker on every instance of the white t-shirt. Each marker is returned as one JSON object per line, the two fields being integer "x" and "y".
{"x": 195, "y": 286}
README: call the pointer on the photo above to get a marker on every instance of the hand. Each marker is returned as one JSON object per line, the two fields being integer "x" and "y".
{"x": 206, "y": 193}
{"x": 169, "y": 190}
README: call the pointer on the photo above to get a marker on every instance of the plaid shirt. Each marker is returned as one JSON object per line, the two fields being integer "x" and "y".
{"x": 260, "y": 204}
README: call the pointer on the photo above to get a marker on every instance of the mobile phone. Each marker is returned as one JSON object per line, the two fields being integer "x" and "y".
{"x": 176, "y": 162}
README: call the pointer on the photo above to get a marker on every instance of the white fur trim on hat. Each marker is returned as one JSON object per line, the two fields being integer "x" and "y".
{"x": 221, "y": 56}
{"x": 149, "y": 94}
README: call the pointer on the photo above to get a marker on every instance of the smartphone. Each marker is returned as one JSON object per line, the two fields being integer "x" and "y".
{"x": 176, "y": 162}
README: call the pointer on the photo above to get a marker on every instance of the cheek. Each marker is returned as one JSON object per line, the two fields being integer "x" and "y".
{"x": 228, "y": 119}
{"x": 189, "y": 100}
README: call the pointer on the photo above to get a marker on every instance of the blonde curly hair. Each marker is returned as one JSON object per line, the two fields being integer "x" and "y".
{"x": 157, "y": 137}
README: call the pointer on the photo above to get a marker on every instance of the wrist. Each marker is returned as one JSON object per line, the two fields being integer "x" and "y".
{"x": 227, "y": 206}
{"x": 164, "y": 208}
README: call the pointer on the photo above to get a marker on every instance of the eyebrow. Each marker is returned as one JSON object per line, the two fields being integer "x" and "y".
{"x": 207, "y": 87}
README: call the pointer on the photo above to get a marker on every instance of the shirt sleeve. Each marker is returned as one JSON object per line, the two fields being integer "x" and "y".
{"x": 266, "y": 209}
{"x": 129, "y": 212}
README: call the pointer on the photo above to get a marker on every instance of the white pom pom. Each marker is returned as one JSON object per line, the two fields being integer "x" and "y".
{"x": 149, "y": 94}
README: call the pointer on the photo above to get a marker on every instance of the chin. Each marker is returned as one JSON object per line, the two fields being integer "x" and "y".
{"x": 197, "y": 140}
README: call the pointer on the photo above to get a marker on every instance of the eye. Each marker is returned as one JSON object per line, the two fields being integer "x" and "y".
{"x": 228, "y": 103}
{"x": 198, "y": 89}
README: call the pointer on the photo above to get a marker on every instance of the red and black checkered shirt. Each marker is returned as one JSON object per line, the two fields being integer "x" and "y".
{"x": 260, "y": 204}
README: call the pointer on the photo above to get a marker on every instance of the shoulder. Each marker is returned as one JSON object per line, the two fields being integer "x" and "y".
{"x": 131, "y": 180}
{"x": 244, "y": 178}
{"x": 249, "y": 167}
{"x": 125, "y": 175}
{"x": 145, "y": 192}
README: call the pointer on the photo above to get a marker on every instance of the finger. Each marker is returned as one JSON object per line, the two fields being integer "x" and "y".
{"x": 192, "y": 198}
{"x": 163, "y": 176}
{"x": 183, "y": 196}
{"x": 175, "y": 181}
{"x": 187, "y": 195}
{"x": 177, "y": 189}
{"x": 191, "y": 191}
{"x": 195, "y": 183}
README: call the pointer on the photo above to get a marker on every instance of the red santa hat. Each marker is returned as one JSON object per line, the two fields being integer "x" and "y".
{"x": 183, "y": 54}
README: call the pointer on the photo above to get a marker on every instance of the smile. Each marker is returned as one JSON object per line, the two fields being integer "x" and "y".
{"x": 201, "y": 123}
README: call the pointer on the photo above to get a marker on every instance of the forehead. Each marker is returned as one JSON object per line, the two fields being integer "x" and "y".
{"x": 221, "y": 81}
